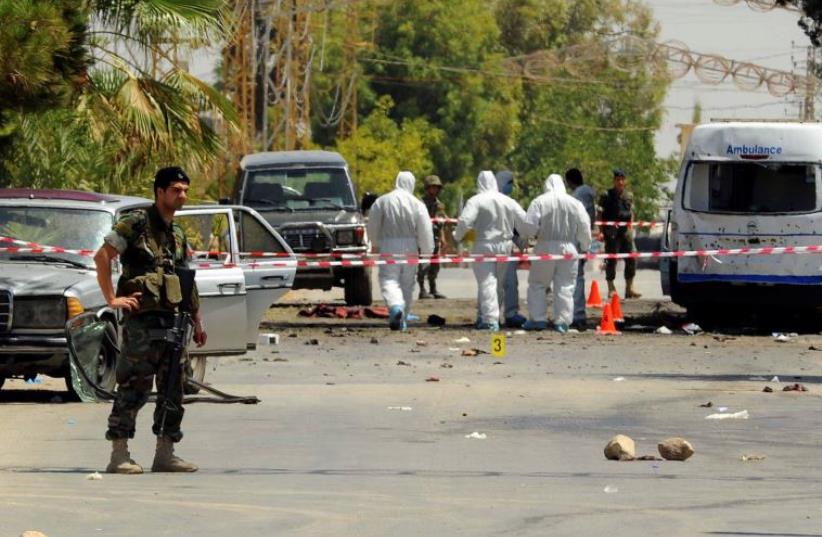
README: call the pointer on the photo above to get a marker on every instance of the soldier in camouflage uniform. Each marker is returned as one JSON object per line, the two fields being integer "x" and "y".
{"x": 617, "y": 205}
{"x": 436, "y": 209}
{"x": 150, "y": 246}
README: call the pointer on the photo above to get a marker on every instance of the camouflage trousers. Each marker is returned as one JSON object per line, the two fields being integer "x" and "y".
{"x": 143, "y": 358}
{"x": 621, "y": 243}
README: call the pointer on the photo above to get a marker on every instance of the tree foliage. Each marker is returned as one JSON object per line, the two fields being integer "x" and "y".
{"x": 811, "y": 21}
{"x": 597, "y": 120}
{"x": 380, "y": 148}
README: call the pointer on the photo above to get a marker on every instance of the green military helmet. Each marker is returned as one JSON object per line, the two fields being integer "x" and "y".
{"x": 432, "y": 180}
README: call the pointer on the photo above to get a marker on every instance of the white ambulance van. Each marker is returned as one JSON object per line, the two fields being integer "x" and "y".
{"x": 747, "y": 185}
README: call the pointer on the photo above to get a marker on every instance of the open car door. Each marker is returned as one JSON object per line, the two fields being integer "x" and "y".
{"x": 267, "y": 278}
{"x": 221, "y": 285}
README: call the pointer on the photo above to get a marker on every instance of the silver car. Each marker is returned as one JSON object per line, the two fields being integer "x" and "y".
{"x": 40, "y": 289}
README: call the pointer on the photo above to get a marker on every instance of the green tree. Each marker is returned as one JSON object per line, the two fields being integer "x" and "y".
{"x": 128, "y": 116}
{"x": 380, "y": 148}
{"x": 592, "y": 112}
{"x": 441, "y": 61}
{"x": 811, "y": 21}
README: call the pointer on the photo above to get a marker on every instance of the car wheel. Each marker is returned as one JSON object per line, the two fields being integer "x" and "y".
{"x": 106, "y": 371}
{"x": 358, "y": 287}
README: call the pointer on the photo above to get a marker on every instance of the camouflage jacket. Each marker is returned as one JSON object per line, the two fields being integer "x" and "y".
{"x": 150, "y": 250}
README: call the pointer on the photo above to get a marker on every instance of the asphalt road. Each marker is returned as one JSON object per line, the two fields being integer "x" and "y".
{"x": 326, "y": 454}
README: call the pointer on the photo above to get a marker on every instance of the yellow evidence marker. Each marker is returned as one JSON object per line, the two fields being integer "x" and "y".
{"x": 498, "y": 345}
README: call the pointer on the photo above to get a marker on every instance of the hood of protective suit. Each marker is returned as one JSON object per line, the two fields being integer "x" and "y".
{"x": 505, "y": 182}
{"x": 405, "y": 181}
{"x": 554, "y": 184}
{"x": 486, "y": 182}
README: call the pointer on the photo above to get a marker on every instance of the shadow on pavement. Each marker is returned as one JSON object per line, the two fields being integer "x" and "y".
{"x": 34, "y": 396}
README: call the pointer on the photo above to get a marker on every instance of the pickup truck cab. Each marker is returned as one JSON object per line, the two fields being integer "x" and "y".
{"x": 41, "y": 290}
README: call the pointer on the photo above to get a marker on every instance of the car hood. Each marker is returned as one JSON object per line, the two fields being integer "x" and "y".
{"x": 333, "y": 217}
{"x": 40, "y": 278}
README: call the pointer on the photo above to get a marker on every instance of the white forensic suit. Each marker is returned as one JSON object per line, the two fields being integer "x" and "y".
{"x": 559, "y": 222}
{"x": 398, "y": 223}
{"x": 493, "y": 216}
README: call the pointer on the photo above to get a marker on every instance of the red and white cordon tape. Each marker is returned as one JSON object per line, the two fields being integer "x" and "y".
{"x": 421, "y": 260}
{"x": 633, "y": 223}
{"x": 414, "y": 259}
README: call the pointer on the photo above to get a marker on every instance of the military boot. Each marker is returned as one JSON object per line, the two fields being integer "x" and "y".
{"x": 424, "y": 295}
{"x": 629, "y": 289}
{"x": 433, "y": 286}
{"x": 121, "y": 461}
{"x": 166, "y": 461}
{"x": 611, "y": 288}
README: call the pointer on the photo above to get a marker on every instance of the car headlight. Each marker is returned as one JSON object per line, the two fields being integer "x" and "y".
{"x": 73, "y": 307}
{"x": 39, "y": 312}
{"x": 345, "y": 236}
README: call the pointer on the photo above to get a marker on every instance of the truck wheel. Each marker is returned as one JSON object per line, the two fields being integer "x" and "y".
{"x": 358, "y": 287}
{"x": 105, "y": 375}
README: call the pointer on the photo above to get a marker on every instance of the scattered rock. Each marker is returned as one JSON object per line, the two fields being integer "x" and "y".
{"x": 795, "y": 388}
{"x": 462, "y": 340}
{"x": 752, "y": 458}
{"x": 401, "y": 362}
{"x": 767, "y": 389}
{"x": 477, "y": 436}
{"x": 707, "y": 405}
{"x": 620, "y": 448}
{"x": 375, "y": 341}
{"x": 280, "y": 360}
{"x": 675, "y": 449}
{"x": 473, "y": 352}
{"x": 422, "y": 343}
{"x": 312, "y": 342}
{"x": 648, "y": 458}
{"x": 432, "y": 379}
{"x": 446, "y": 366}
{"x": 32, "y": 533}
{"x": 95, "y": 476}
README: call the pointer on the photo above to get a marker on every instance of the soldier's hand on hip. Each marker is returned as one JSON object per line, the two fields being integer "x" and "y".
{"x": 128, "y": 303}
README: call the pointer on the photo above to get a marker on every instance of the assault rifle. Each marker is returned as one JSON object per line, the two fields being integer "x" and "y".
{"x": 176, "y": 338}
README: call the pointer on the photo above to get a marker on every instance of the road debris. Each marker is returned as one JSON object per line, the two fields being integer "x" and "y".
{"x": 691, "y": 329}
{"x": 473, "y": 352}
{"x": 404, "y": 363}
{"x": 767, "y": 389}
{"x": 620, "y": 448}
{"x": 775, "y": 379}
{"x": 707, "y": 405}
{"x": 95, "y": 476}
{"x": 435, "y": 320}
{"x": 782, "y": 337}
{"x": 795, "y": 388}
{"x": 421, "y": 343}
{"x": 619, "y": 379}
{"x": 463, "y": 339}
{"x": 33, "y": 533}
{"x": 675, "y": 449}
{"x": 312, "y": 341}
{"x": 664, "y": 330}
{"x": 610, "y": 489}
{"x": 741, "y": 415}
{"x": 752, "y": 458}
{"x": 477, "y": 436}
{"x": 432, "y": 379}
{"x": 401, "y": 408}
{"x": 446, "y": 365}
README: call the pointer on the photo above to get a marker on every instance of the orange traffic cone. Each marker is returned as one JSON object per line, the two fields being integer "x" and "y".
{"x": 616, "y": 309}
{"x": 594, "y": 299}
{"x": 607, "y": 326}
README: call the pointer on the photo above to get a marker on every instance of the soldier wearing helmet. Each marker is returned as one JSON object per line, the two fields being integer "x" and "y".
{"x": 436, "y": 209}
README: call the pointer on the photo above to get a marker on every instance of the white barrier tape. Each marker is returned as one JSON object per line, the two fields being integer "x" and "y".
{"x": 365, "y": 262}
{"x": 636, "y": 223}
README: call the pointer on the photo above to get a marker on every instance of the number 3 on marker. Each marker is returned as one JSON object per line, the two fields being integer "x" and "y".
{"x": 498, "y": 345}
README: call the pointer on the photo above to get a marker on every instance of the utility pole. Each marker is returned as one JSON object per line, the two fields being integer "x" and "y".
{"x": 808, "y": 110}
